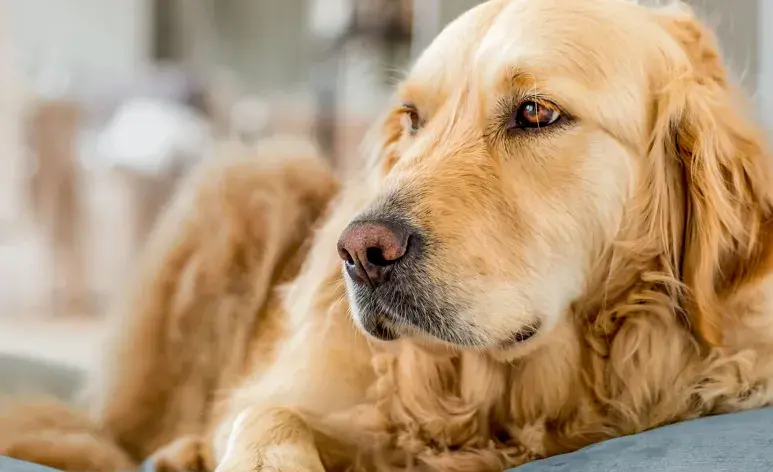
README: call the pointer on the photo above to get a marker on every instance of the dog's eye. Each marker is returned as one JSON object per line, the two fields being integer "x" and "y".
{"x": 532, "y": 114}
{"x": 410, "y": 118}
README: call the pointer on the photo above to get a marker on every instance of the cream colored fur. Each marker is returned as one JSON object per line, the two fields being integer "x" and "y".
{"x": 635, "y": 236}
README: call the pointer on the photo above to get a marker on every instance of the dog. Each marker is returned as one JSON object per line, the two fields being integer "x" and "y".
{"x": 562, "y": 235}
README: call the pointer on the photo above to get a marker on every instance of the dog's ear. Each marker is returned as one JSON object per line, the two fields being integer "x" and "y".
{"x": 703, "y": 132}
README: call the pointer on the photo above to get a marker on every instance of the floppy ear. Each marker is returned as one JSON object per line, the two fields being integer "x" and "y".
{"x": 702, "y": 130}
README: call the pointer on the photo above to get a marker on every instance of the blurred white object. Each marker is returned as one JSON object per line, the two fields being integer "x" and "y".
{"x": 330, "y": 19}
{"x": 249, "y": 118}
{"x": 52, "y": 79}
{"x": 153, "y": 136}
{"x": 277, "y": 146}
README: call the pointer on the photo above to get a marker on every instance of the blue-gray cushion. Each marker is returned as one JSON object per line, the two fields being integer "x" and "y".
{"x": 24, "y": 376}
{"x": 12, "y": 465}
{"x": 739, "y": 442}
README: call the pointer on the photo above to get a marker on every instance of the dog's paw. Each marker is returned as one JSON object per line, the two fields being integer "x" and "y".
{"x": 275, "y": 458}
{"x": 185, "y": 454}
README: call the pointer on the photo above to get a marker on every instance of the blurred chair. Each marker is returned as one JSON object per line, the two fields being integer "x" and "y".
{"x": 56, "y": 204}
{"x": 385, "y": 26}
{"x": 149, "y": 144}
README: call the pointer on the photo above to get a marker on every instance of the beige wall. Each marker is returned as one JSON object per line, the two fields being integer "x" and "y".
{"x": 765, "y": 43}
{"x": 111, "y": 36}
{"x": 12, "y": 165}
{"x": 265, "y": 41}
{"x": 736, "y": 23}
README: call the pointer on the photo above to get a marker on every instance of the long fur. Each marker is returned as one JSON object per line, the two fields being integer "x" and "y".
{"x": 636, "y": 241}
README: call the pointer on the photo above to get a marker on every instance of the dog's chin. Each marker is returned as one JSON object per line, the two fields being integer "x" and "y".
{"x": 382, "y": 328}
{"x": 378, "y": 327}
{"x": 425, "y": 313}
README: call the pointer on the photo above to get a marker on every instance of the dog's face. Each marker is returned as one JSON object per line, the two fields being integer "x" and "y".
{"x": 510, "y": 162}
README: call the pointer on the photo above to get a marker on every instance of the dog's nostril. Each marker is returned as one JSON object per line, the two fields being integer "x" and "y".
{"x": 347, "y": 257}
{"x": 376, "y": 257}
{"x": 371, "y": 248}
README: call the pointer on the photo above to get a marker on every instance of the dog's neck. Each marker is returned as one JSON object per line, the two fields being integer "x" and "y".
{"x": 624, "y": 359}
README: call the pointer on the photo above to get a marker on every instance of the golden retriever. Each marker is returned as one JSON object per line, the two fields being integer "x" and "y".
{"x": 563, "y": 236}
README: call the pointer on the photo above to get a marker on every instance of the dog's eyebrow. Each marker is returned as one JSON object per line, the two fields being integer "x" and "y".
{"x": 521, "y": 77}
{"x": 408, "y": 94}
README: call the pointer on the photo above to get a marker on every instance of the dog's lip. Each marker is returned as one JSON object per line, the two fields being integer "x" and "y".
{"x": 524, "y": 334}
{"x": 386, "y": 324}
{"x": 378, "y": 328}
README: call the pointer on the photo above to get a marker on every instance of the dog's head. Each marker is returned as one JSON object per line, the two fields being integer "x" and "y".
{"x": 542, "y": 152}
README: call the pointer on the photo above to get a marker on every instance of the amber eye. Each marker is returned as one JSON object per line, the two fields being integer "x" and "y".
{"x": 532, "y": 114}
{"x": 410, "y": 118}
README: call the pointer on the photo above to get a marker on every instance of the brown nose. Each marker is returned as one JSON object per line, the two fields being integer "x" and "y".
{"x": 371, "y": 248}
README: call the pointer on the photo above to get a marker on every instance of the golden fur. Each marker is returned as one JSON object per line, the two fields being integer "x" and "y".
{"x": 635, "y": 239}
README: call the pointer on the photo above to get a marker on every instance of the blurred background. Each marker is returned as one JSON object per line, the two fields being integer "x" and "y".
{"x": 104, "y": 104}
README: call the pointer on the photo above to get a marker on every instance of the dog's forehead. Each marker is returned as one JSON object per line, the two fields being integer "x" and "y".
{"x": 446, "y": 59}
{"x": 595, "y": 57}
{"x": 560, "y": 36}
{"x": 579, "y": 38}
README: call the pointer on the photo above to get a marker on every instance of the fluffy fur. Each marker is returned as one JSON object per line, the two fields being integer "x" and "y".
{"x": 633, "y": 236}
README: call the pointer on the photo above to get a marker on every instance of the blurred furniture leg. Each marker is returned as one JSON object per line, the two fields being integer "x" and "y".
{"x": 56, "y": 204}
{"x": 325, "y": 81}
{"x": 151, "y": 194}
{"x": 147, "y": 194}
{"x": 386, "y": 25}
{"x": 11, "y": 146}
{"x": 426, "y": 24}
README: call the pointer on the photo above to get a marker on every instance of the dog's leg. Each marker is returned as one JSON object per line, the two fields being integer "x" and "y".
{"x": 232, "y": 231}
{"x": 323, "y": 368}
{"x": 270, "y": 440}
{"x": 272, "y": 431}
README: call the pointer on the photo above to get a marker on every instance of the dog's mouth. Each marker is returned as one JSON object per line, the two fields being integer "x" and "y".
{"x": 388, "y": 315}
{"x": 407, "y": 310}
{"x": 524, "y": 334}
{"x": 387, "y": 329}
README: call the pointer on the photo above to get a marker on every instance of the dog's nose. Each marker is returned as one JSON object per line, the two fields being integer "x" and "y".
{"x": 371, "y": 248}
